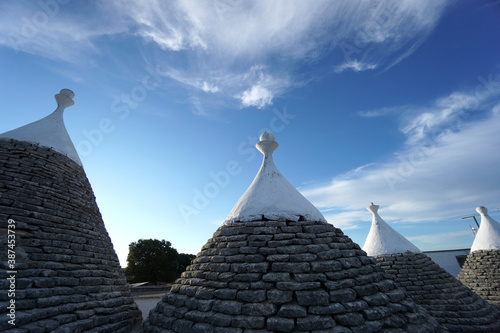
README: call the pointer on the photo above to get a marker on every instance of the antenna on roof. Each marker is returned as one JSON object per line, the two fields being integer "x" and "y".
{"x": 474, "y": 217}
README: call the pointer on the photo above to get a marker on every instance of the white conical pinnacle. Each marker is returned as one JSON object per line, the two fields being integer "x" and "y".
{"x": 50, "y": 131}
{"x": 270, "y": 195}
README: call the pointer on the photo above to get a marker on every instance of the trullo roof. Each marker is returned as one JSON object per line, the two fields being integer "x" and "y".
{"x": 49, "y": 131}
{"x": 383, "y": 239}
{"x": 488, "y": 236}
{"x": 272, "y": 268}
{"x": 444, "y": 297}
{"x": 67, "y": 274}
{"x": 270, "y": 195}
{"x": 481, "y": 270}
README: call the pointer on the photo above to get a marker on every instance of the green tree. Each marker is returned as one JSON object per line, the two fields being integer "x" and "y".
{"x": 151, "y": 260}
{"x": 183, "y": 261}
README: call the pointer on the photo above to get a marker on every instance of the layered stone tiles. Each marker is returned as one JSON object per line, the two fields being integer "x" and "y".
{"x": 481, "y": 273}
{"x": 67, "y": 277}
{"x": 285, "y": 276}
{"x": 443, "y": 296}
{"x": 270, "y": 269}
{"x": 481, "y": 270}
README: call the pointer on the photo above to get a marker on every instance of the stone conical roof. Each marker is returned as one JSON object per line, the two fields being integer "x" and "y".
{"x": 67, "y": 275}
{"x": 284, "y": 274}
{"x": 481, "y": 270}
{"x": 383, "y": 239}
{"x": 49, "y": 131}
{"x": 444, "y": 297}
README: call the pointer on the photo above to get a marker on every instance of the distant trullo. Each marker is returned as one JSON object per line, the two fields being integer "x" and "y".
{"x": 63, "y": 270}
{"x": 452, "y": 304}
{"x": 481, "y": 270}
{"x": 276, "y": 265}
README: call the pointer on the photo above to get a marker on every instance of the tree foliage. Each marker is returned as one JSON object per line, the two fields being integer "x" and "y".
{"x": 183, "y": 261}
{"x": 151, "y": 260}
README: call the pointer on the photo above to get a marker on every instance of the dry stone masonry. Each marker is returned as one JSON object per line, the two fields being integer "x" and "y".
{"x": 481, "y": 270}
{"x": 481, "y": 273}
{"x": 285, "y": 276}
{"x": 440, "y": 294}
{"x": 284, "y": 272}
{"x": 453, "y": 305}
{"x": 67, "y": 275}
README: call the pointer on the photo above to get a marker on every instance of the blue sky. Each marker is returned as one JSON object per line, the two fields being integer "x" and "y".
{"x": 391, "y": 102}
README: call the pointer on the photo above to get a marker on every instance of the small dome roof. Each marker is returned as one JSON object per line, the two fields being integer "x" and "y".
{"x": 271, "y": 196}
{"x": 383, "y": 239}
{"x": 49, "y": 131}
{"x": 488, "y": 236}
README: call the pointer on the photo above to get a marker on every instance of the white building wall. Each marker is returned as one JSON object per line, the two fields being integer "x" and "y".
{"x": 447, "y": 259}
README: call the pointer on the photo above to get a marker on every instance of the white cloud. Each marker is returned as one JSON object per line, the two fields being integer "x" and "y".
{"x": 448, "y": 112}
{"x": 355, "y": 65}
{"x": 421, "y": 123}
{"x": 257, "y": 96}
{"x": 255, "y": 87}
{"x": 400, "y": 109}
{"x": 209, "y": 45}
{"x": 435, "y": 177}
{"x": 209, "y": 88}
{"x": 172, "y": 42}
{"x": 347, "y": 220}
{"x": 224, "y": 39}
{"x": 53, "y": 32}
{"x": 239, "y": 28}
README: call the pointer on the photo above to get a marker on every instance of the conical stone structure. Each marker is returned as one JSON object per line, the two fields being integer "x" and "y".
{"x": 61, "y": 273}
{"x": 283, "y": 272}
{"x": 481, "y": 270}
{"x": 383, "y": 239}
{"x": 452, "y": 304}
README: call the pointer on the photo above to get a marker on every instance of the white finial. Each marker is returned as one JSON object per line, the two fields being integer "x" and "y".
{"x": 49, "y": 131}
{"x": 65, "y": 98}
{"x": 488, "y": 235}
{"x": 372, "y": 208}
{"x": 270, "y": 195}
{"x": 267, "y": 145}
{"x": 383, "y": 239}
{"x": 482, "y": 210}
{"x": 267, "y": 136}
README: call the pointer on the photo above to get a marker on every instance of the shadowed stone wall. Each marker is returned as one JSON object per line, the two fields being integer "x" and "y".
{"x": 481, "y": 273}
{"x": 285, "y": 276}
{"x": 68, "y": 275}
{"x": 440, "y": 294}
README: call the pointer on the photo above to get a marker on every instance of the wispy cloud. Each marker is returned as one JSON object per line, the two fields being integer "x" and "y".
{"x": 385, "y": 111}
{"x": 255, "y": 87}
{"x": 426, "y": 122}
{"x": 448, "y": 113}
{"x": 206, "y": 87}
{"x": 449, "y": 167}
{"x": 354, "y": 65}
{"x": 437, "y": 239}
{"x": 348, "y": 220}
{"x": 209, "y": 45}
{"x": 54, "y": 31}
